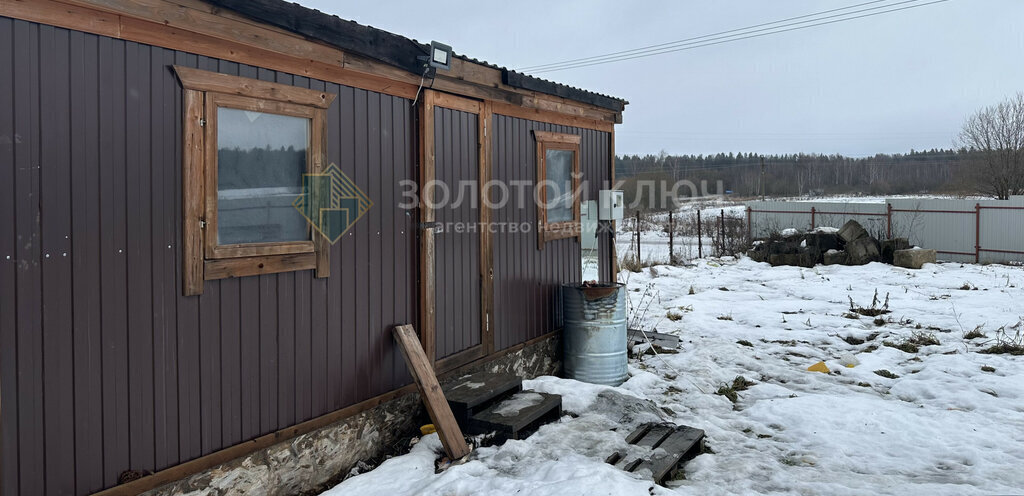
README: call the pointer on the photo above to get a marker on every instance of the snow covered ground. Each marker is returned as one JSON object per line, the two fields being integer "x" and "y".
{"x": 946, "y": 420}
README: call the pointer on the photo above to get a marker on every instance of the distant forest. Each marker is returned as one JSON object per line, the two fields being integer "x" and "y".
{"x": 933, "y": 171}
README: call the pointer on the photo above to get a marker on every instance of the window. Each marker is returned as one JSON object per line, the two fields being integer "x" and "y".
{"x": 558, "y": 176}
{"x": 248, "y": 145}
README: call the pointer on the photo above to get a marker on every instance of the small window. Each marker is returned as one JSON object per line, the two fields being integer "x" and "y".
{"x": 558, "y": 174}
{"x": 248, "y": 147}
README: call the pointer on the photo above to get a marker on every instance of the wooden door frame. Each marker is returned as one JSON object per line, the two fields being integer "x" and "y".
{"x": 428, "y": 329}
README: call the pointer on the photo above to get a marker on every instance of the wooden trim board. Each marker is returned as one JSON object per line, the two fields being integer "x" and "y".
{"x": 427, "y": 269}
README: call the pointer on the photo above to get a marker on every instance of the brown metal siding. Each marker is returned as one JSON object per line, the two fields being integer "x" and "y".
{"x": 527, "y": 280}
{"x": 105, "y": 366}
{"x": 456, "y": 252}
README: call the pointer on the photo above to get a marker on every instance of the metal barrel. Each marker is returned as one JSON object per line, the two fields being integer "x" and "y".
{"x": 595, "y": 333}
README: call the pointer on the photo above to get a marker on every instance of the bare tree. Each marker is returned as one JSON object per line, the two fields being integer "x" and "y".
{"x": 996, "y": 134}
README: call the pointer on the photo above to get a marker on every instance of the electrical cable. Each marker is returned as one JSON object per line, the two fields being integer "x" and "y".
{"x": 670, "y": 43}
{"x": 731, "y": 39}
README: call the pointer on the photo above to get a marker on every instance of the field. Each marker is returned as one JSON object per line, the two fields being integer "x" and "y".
{"x": 911, "y": 405}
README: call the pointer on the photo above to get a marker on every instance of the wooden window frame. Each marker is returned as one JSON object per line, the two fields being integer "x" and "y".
{"x": 550, "y": 231}
{"x": 203, "y": 258}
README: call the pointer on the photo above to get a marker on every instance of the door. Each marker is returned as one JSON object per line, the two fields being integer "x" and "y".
{"x": 454, "y": 170}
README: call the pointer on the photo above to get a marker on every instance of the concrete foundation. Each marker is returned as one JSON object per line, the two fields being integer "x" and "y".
{"x": 313, "y": 462}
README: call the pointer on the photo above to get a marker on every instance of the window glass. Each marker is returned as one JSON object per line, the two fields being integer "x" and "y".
{"x": 260, "y": 162}
{"x": 558, "y": 167}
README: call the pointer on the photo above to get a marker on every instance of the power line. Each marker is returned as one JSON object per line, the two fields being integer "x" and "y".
{"x": 731, "y": 39}
{"x": 659, "y": 45}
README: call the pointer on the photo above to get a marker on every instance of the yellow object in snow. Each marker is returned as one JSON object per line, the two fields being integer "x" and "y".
{"x": 427, "y": 429}
{"x": 819, "y": 367}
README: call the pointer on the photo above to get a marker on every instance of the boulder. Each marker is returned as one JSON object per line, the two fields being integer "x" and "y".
{"x": 836, "y": 257}
{"x": 913, "y": 259}
{"x": 822, "y": 241}
{"x": 758, "y": 255}
{"x": 784, "y": 247}
{"x": 852, "y": 231}
{"x": 794, "y": 259}
{"x": 863, "y": 250}
{"x": 890, "y": 246}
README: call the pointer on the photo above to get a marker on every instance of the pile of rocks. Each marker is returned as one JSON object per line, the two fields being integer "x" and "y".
{"x": 849, "y": 245}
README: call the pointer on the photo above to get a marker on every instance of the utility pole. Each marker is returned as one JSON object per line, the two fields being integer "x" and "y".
{"x": 762, "y": 178}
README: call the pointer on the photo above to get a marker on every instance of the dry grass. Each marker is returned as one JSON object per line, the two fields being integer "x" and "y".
{"x": 730, "y": 391}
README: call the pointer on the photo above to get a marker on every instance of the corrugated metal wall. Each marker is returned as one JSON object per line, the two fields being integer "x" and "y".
{"x": 950, "y": 226}
{"x": 527, "y": 280}
{"x": 456, "y": 250}
{"x": 772, "y": 216}
{"x": 105, "y": 366}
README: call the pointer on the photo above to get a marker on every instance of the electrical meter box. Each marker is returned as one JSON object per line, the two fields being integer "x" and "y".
{"x": 611, "y": 203}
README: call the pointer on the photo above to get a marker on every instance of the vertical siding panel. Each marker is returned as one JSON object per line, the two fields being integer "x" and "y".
{"x": 386, "y": 291}
{"x": 338, "y": 370}
{"x": 285, "y": 401}
{"x": 499, "y": 216}
{"x": 303, "y": 349}
{"x": 140, "y": 337}
{"x": 211, "y": 367}
{"x": 372, "y": 221}
{"x": 249, "y": 356}
{"x": 9, "y": 452}
{"x": 55, "y": 224}
{"x": 452, "y": 323}
{"x": 162, "y": 360}
{"x": 361, "y": 254}
{"x": 180, "y": 311}
{"x": 399, "y": 233}
{"x": 30, "y": 361}
{"x": 473, "y": 209}
{"x": 527, "y": 251}
{"x": 508, "y": 248}
{"x": 268, "y": 345}
{"x": 85, "y": 239}
{"x": 112, "y": 260}
{"x": 231, "y": 358}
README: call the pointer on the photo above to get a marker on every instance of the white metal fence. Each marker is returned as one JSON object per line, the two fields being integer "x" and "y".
{"x": 959, "y": 230}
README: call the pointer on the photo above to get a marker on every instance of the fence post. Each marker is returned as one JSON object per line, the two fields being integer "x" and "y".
{"x": 888, "y": 223}
{"x": 638, "y": 259}
{"x": 814, "y": 213}
{"x": 977, "y": 232}
{"x": 671, "y": 244}
{"x": 700, "y": 238}
{"x": 750, "y": 226}
{"x": 721, "y": 234}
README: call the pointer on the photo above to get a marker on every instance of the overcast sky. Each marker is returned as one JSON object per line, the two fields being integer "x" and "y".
{"x": 887, "y": 83}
